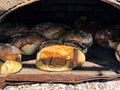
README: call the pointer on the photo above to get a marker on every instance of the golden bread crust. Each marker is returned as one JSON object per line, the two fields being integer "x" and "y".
{"x": 59, "y": 58}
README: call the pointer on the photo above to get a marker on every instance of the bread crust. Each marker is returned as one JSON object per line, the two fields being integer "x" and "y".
{"x": 10, "y": 67}
{"x": 59, "y": 58}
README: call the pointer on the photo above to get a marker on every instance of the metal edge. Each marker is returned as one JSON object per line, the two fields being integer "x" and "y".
{"x": 57, "y": 78}
{"x": 16, "y": 7}
{"x": 113, "y": 3}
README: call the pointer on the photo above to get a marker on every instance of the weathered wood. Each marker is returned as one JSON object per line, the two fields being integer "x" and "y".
{"x": 30, "y": 73}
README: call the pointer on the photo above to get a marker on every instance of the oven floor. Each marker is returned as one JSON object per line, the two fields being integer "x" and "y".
{"x": 100, "y": 65}
{"x": 97, "y": 59}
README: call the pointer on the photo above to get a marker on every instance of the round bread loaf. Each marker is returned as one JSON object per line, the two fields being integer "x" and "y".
{"x": 10, "y": 67}
{"x": 27, "y": 42}
{"x": 10, "y": 59}
{"x": 59, "y": 58}
{"x": 77, "y": 39}
{"x": 7, "y": 29}
{"x": 9, "y": 52}
{"x": 50, "y": 30}
{"x": 108, "y": 37}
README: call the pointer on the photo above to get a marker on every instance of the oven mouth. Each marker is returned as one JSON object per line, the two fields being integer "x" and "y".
{"x": 66, "y": 12}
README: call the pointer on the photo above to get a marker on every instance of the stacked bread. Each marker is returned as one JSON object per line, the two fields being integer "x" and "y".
{"x": 10, "y": 56}
{"x": 58, "y": 47}
{"x": 64, "y": 47}
{"x": 10, "y": 59}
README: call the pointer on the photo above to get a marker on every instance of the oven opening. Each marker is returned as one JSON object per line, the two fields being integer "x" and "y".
{"x": 67, "y": 12}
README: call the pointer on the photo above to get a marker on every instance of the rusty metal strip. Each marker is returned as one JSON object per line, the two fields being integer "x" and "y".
{"x": 113, "y": 3}
{"x": 13, "y": 8}
{"x": 2, "y": 82}
{"x": 61, "y": 78}
{"x": 30, "y": 73}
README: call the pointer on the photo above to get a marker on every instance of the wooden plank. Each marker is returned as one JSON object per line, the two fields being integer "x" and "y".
{"x": 29, "y": 73}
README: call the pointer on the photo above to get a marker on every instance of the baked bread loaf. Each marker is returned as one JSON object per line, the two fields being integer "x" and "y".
{"x": 7, "y": 29}
{"x": 10, "y": 59}
{"x": 59, "y": 58}
{"x": 117, "y": 52}
{"x": 27, "y": 42}
{"x": 10, "y": 66}
{"x": 77, "y": 39}
{"x": 108, "y": 37}
{"x": 50, "y": 30}
{"x": 9, "y": 52}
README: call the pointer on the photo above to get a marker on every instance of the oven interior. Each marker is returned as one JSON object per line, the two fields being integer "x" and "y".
{"x": 66, "y": 12}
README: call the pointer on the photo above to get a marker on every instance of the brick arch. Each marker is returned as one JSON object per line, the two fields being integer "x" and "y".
{"x": 8, "y": 6}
